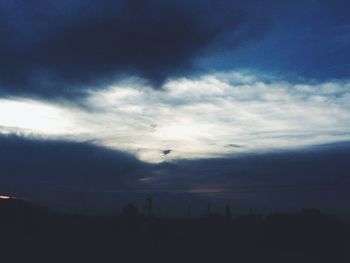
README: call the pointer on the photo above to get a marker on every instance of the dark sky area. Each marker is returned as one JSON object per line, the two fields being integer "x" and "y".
{"x": 61, "y": 52}
{"x": 52, "y": 48}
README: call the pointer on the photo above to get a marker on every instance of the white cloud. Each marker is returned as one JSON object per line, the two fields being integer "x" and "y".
{"x": 193, "y": 117}
{"x": 34, "y": 116}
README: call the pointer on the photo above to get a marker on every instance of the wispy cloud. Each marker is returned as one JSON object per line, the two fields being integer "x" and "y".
{"x": 196, "y": 118}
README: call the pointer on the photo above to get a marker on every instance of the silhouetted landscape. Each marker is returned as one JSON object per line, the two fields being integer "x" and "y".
{"x": 33, "y": 234}
{"x": 174, "y": 131}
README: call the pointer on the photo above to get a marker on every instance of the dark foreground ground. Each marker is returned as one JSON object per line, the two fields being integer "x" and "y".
{"x": 29, "y": 234}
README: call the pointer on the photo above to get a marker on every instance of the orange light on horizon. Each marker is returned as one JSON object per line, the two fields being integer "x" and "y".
{"x": 4, "y": 197}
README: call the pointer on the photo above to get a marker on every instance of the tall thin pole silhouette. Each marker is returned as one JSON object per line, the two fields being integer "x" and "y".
{"x": 150, "y": 206}
{"x": 209, "y": 209}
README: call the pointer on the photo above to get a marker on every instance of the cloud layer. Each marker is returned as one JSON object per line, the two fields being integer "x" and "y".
{"x": 30, "y": 165}
{"x": 215, "y": 115}
{"x": 52, "y": 49}
{"x": 81, "y": 177}
{"x": 92, "y": 92}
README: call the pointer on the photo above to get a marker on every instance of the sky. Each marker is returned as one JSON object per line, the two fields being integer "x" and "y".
{"x": 244, "y": 102}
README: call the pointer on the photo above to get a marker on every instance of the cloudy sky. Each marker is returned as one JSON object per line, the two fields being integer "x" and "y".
{"x": 242, "y": 101}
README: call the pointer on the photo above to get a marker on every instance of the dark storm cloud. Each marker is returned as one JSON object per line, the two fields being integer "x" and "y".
{"x": 61, "y": 165}
{"x": 317, "y": 177}
{"x": 63, "y": 173}
{"x": 322, "y": 164}
{"x": 55, "y": 48}
{"x": 36, "y": 166}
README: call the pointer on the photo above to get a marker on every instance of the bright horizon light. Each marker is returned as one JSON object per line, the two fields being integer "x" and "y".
{"x": 34, "y": 116}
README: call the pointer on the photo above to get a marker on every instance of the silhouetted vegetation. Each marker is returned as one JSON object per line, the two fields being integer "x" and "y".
{"x": 31, "y": 234}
